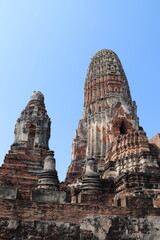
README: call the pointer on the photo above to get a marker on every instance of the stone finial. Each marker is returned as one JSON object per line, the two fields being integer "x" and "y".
{"x": 48, "y": 178}
{"x": 49, "y": 162}
{"x": 38, "y": 96}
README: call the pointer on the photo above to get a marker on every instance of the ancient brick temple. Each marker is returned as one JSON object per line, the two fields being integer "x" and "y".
{"x": 112, "y": 187}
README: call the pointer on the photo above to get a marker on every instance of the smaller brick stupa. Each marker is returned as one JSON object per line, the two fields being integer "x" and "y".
{"x": 48, "y": 183}
{"x": 91, "y": 188}
{"x": 48, "y": 177}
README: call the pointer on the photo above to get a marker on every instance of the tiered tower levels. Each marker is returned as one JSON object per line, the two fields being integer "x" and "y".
{"x": 24, "y": 162}
{"x": 108, "y": 112}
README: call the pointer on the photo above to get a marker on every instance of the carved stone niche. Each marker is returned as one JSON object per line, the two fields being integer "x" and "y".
{"x": 132, "y": 200}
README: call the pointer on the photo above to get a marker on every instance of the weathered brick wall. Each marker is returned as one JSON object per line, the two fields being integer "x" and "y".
{"x": 23, "y": 219}
{"x": 21, "y": 169}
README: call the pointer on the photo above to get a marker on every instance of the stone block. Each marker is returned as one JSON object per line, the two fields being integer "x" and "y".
{"x": 13, "y": 224}
{"x": 48, "y": 195}
{"x": 8, "y": 192}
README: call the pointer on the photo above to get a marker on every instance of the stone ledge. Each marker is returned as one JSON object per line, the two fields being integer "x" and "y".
{"x": 48, "y": 195}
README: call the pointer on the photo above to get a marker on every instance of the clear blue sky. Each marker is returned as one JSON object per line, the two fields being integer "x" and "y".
{"x": 47, "y": 45}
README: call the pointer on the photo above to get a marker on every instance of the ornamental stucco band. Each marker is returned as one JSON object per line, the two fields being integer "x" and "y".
{"x": 112, "y": 186}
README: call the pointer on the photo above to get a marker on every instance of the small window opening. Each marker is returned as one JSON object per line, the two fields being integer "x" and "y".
{"x": 31, "y": 138}
{"x": 123, "y": 129}
{"x": 119, "y": 202}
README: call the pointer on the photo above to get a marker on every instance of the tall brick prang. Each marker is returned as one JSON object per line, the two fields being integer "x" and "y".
{"x": 108, "y": 112}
